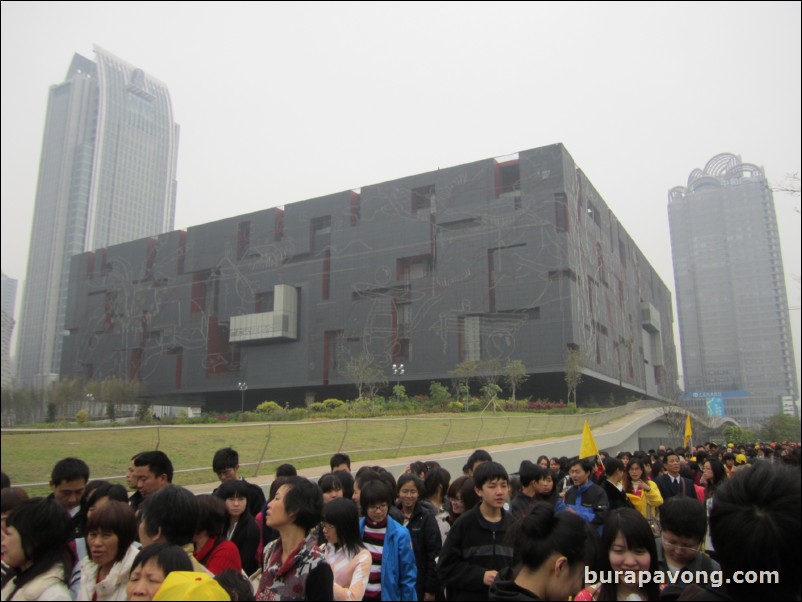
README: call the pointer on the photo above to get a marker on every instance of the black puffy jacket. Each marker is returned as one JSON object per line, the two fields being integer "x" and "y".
{"x": 426, "y": 544}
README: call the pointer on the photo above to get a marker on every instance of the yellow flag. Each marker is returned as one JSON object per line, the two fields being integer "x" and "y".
{"x": 688, "y": 431}
{"x": 588, "y": 449}
{"x": 637, "y": 501}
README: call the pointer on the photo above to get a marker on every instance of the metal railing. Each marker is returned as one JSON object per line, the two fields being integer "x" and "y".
{"x": 301, "y": 443}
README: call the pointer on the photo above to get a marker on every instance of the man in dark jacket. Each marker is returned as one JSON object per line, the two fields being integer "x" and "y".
{"x": 68, "y": 481}
{"x": 611, "y": 483}
{"x": 475, "y": 550}
{"x": 672, "y": 484}
{"x": 584, "y": 497}
{"x": 522, "y": 503}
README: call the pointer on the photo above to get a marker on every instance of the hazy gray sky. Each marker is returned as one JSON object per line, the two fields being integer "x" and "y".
{"x": 280, "y": 102}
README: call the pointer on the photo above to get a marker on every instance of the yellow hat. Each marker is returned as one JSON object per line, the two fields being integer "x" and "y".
{"x": 740, "y": 459}
{"x": 190, "y": 585}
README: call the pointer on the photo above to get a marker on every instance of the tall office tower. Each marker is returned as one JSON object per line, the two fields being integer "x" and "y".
{"x": 735, "y": 332}
{"x": 6, "y": 330}
{"x": 8, "y": 292}
{"x": 107, "y": 175}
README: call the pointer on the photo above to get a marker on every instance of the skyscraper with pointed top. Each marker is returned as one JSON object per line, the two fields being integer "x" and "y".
{"x": 737, "y": 353}
{"x": 107, "y": 175}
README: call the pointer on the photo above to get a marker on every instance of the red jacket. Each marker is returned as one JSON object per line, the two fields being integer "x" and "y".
{"x": 219, "y": 554}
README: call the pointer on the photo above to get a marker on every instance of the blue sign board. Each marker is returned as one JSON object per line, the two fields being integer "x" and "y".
{"x": 714, "y": 400}
{"x": 688, "y": 396}
{"x": 715, "y": 406}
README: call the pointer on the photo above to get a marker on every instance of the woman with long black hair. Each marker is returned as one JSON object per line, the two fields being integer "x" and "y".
{"x": 422, "y": 527}
{"x": 461, "y": 497}
{"x": 627, "y": 548}
{"x": 641, "y": 490}
{"x": 241, "y": 528}
{"x": 713, "y": 475}
{"x": 35, "y": 546}
{"x": 346, "y": 554}
{"x": 554, "y": 550}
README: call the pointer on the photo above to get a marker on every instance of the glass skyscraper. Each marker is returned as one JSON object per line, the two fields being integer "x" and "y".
{"x": 107, "y": 175}
{"x": 737, "y": 351}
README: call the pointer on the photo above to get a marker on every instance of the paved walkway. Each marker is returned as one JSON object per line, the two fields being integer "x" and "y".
{"x": 509, "y": 454}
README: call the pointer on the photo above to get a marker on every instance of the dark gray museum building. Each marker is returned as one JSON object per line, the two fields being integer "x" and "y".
{"x": 509, "y": 259}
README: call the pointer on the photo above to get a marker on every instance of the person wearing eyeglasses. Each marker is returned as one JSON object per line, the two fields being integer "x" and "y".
{"x": 349, "y": 559}
{"x": 461, "y": 498}
{"x": 393, "y": 571}
{"x": 684, "y": 523}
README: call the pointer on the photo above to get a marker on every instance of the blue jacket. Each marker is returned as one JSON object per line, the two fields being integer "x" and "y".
{"x": 399, "y": 571}
{"x": 589, "y": 501}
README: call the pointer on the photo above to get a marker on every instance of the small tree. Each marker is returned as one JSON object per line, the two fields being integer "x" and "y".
{"x": 64, "y": 391}
{"x": 19, "y": 406}
{"x": 573, "y": 372}
{"x": 515, "y": 375}
{"x": 111, "y": 412}
{"x": 461, "y": 377}
{"x": 675, "y": 419}
{"x": 739, "y": 434}
{"x": 490, "y": 394}
{"x": 464, "y": 393}
{"x": 781, "y": 427}
{"x": 116, "y": 391}
{"x": 489, "y": 372}
{"x": 400, "y": 392}
{"x": 438, "y": 394}
{"x": 363, "y": 371}
{"x": 143, "y": 412}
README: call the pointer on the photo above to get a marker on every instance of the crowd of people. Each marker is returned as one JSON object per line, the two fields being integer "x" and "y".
{"x": 703, "y": 523}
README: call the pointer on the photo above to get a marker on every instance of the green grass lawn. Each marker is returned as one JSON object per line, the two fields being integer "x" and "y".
{"x": 29, "y": 457}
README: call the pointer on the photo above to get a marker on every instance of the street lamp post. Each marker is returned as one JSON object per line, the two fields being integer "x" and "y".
{"x": 243, "y": 386}
{"x": 398, "y": 370}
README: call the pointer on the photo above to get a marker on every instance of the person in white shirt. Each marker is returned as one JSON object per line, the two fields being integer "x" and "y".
{"x": 349, "y": 559}
{"x": 35, "y": 546}
{"x": 111, "y": 541}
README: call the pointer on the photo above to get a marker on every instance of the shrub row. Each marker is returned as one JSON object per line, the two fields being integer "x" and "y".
{"x": 398, "y": 405}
